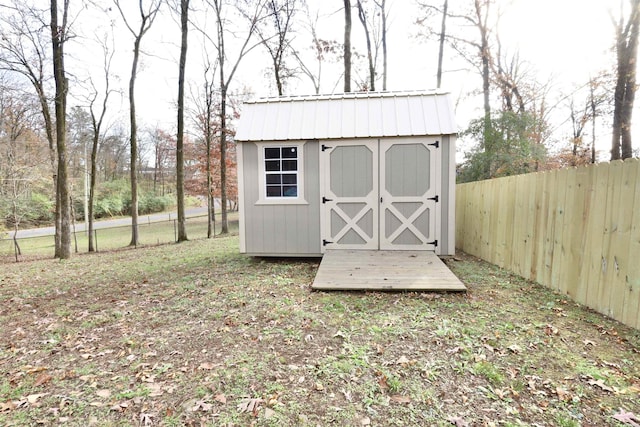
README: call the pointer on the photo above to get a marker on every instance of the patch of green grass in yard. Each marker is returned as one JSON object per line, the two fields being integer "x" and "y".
{"x": 489, "y": 371}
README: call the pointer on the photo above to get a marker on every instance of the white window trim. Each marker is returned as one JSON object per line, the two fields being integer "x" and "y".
{"x": 262, "y": 196}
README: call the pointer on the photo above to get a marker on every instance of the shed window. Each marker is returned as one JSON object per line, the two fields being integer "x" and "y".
{"x": 281, "y": 171}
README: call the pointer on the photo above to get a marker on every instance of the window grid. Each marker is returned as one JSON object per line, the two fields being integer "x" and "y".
{"x": 281, "y": 171}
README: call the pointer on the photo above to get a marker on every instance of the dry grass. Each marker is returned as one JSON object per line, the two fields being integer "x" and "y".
{"x": 196, "y": 334}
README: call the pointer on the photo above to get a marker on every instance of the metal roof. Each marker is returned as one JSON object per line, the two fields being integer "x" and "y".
{"x": 351, "y": 115}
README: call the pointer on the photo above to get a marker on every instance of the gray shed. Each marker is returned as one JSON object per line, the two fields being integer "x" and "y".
{"x": 372, "y": 171}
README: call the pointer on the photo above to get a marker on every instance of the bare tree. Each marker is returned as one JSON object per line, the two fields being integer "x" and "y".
{"x": 382, "y": 5}
{"x": 184, "y": 31}
{"x": 59, "y": 37}
{"x": 443, "y": 32}
{"x": 23, "y": 50}
{"x": 18, "y": 157}
{"x": 362, "y": 16}
{"x": 97, "y": 121}
{"x": 147, "y": 16}
{"x": 347, "y": 45}
{"x": 479, "y": 17}
{"x": 254, "y": 14}
{"x": 204, "y": 118}
{"x": 324, "y": 51}
{"x": 626, "y": 48}
{"x": 275, "y": 36}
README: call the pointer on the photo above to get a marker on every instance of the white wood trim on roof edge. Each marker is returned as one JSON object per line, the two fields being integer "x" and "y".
{"x": 351, "y": 115}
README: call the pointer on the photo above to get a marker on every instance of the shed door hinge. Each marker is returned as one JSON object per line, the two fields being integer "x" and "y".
{"x": 325, "y": 147}
{"x": 435, "y": 198}
{"x": 325, "y": 200}
{"x": 434, "y": 243}
{"x": 435, "y": 144}
{"x": 325, "y": 242}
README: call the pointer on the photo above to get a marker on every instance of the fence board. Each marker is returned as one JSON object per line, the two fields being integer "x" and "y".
{"x": 574, "y": 230}
{"x": 574, "y": 240}
{"x": 620, "y": 241}
{"x": 543, "y": 218}
{"x": 631, "y": 313}
{"x": 596, "y": 230}
{"x": 589, "y": 203}
{"x": 610, "y": 225}
{"x": 560, "y": 207}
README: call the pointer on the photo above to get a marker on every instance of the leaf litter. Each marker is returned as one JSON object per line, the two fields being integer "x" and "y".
{"x": 195, "y": 333}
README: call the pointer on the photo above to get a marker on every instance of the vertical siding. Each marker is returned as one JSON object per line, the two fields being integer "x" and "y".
{"x": 281, "y": 229}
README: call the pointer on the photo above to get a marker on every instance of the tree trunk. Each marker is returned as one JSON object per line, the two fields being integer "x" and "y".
{"x": 626, "y": 147}
{"x": 62, "y": 185}
{"x": 363, "y": 20}
{"x": 486, "y": 70}
{"x": 92, "y": 190}
{"x": 592, "y": 102}
{"x": 384, "y": 44}
{"x": 276, "y": 73}
{"x": 133, "y": 139}
{"x": 443, "y": 29}
{"x": 184, "y": 19}
{"x": 624, "y": 94}
{"x": 224, "y": 226}
{"x": 347, "y": 46}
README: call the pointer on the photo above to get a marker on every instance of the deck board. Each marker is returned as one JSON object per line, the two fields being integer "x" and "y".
{"x": 384, "y": 270}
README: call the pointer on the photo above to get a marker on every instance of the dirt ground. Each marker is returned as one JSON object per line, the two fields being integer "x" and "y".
{"x": 197, "y": 334}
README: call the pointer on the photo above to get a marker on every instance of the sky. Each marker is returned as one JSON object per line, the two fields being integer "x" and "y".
{"x": 566, "y": 41}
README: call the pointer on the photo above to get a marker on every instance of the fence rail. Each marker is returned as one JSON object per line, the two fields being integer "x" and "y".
{"x": 150, "y": 232}
{"x": 574, "y": 230}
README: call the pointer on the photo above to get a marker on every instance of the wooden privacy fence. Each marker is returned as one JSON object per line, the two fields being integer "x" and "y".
{"x": 574, "y": 230}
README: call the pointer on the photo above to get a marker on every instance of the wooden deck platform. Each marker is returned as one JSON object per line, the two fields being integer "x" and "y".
{"x": 384, "y": 271}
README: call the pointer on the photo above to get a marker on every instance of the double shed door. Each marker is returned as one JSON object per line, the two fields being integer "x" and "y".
{"x": 379, "y": 194}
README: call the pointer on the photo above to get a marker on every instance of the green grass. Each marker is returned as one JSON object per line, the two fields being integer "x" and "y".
{"x": 150, "y": 233}
{"x": 120, "y": 337}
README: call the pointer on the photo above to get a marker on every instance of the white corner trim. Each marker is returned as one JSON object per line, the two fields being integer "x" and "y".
{"x": 241, "y": 198}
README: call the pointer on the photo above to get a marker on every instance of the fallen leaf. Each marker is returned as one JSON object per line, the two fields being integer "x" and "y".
{"x": 43, "y": 378}
{"x": 33, "y": 398}
{"x": 249, "y": 405}
{"x": 30, "y": 369}
{"x": 628, "y": 418}
{"x": 145, "y": 419}
{"x": 402, "y": 360}
{"x": 365, "y": 421}
{"x": 155, "y": 390}
{"x": 104, "y": 393}
{"x": 201, "y": 405}
{"x": 515, "y": 348}
{"x": 7, "y": 406}
{"x": 220, "y": 398}
{"x": 458, "y": 422}
{"x": 601, "y": 385}
{"x": 119, "y": 407}
{"x": 589, "y": 342}
{"x": 398, "y": 398}
{"x": 206, "y": 366}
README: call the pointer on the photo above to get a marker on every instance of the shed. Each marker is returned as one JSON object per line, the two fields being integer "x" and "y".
{"x": 372, "y": 171}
